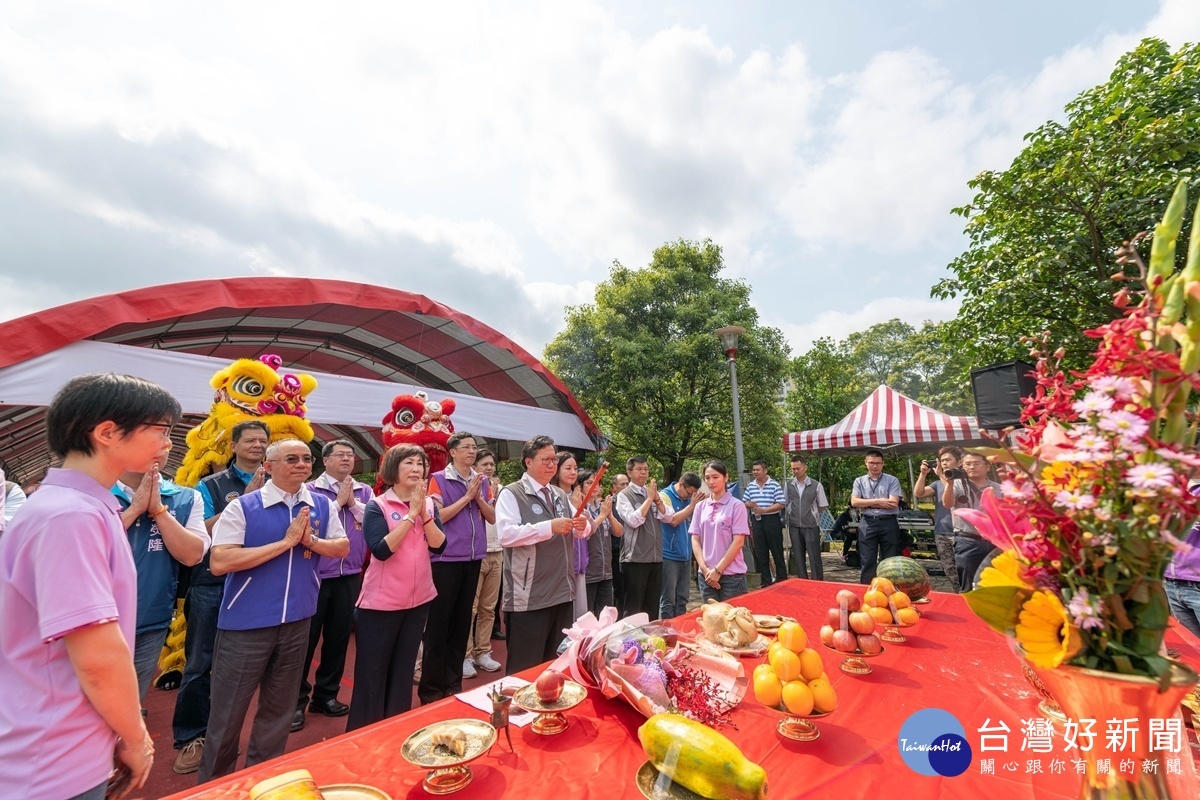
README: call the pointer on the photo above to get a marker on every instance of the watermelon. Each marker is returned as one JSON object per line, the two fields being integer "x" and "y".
{"x": 906, "y": 575}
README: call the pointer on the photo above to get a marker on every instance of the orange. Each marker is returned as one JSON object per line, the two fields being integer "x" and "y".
{"x": 767, "y": 689}
{"x": 824, "y": 698}
{"x": 883, "y": 585}
{"x": 907, "y": 616}
{"x": 786, "y": 665}
{"x": 774, "y": 647}
{"x": 900, "y": 600}
{"x": 876, "y": 598}
{"x": 792, "y": 636}
{"x": 811, "y": 667}
{"x": 797, "y": 698}
{"x": 882, "y": 616}
{"x": 763, "y": 668}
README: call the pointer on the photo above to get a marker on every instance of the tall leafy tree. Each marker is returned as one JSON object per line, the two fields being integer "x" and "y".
{"x": 1043, "y": 232}
{"x": 643, "y": 360}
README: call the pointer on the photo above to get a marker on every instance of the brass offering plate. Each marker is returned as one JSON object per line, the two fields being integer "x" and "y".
{"x": 572, "y": 695}
{"x": 419, "y": 749}
{"x": 656, "y": 786}
{"x": 769, "y": 623}
{"x": 353, "y": 791}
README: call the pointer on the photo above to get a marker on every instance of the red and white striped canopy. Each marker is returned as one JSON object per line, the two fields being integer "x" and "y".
{"x": 889, "y": 421}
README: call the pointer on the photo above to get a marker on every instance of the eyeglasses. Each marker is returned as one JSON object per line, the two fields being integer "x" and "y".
{"x": 293, "y": 460}
{"x": 166, "y": 427}
{"x": 545, "y": 462}
{"x": 341, "y": 455}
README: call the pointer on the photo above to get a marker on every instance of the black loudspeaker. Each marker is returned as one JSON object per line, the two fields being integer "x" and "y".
{"x": 998, "y": 391}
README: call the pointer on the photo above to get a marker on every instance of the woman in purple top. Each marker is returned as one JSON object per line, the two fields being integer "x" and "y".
{"x": 566, "y": 478}
{"x": 1182, "y": 578}
{"x": 719, "y": 528}
{"x": 68, "y": 598}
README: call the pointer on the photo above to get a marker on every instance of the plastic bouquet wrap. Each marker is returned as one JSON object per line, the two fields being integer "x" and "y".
{"x": 654, "y": 667}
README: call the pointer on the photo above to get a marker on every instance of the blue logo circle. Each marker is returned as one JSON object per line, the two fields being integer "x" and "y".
{"x": 933, "y": 742}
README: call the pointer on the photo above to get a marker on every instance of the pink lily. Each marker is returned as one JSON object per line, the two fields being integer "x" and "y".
{"x": 997, "y": 523}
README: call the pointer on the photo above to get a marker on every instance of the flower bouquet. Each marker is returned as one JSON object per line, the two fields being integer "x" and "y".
{"x": 1097, "y": 500}
{"x": 652, "y": 666}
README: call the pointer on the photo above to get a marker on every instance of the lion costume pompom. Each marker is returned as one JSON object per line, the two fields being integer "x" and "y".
{"x": 247, "y": 389}
{"x": 415, "y": 419}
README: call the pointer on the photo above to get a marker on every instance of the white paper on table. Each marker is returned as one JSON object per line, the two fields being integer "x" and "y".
{"x": 480, "y": 697}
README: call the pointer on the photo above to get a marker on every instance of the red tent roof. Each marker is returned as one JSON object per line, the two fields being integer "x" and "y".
{"x": 888, "y": 420}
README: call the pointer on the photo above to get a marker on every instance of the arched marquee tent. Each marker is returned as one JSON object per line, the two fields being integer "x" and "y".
{"x": 364, "y": 345}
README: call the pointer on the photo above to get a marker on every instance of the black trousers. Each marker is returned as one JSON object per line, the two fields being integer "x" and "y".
{"x": 384, "y": 660}
{"x": 447, "y": 629}
{"x": 534, "y": 636}
{"x": 618, "y": 580}
{"x": 332, "y": 625}
{"x": 767, "y": 534}
{"x": 878, "y": 538}
{"x": 643, "y": 587}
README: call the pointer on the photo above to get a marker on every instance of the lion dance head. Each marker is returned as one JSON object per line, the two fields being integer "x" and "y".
{"x": 415, "y": 419}
{"x": 247, "y": 389}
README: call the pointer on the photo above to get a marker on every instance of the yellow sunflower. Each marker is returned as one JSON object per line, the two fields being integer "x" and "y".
{"x": 1005, "y": 570}
{"x": 1045, "y": 632}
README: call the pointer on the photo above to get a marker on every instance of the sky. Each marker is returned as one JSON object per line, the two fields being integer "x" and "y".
{"x": 499, "y": 157}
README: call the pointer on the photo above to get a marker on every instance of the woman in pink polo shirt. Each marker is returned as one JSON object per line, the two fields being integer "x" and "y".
{"x": 401, "y": 527}
{"x": 719, "y": 527}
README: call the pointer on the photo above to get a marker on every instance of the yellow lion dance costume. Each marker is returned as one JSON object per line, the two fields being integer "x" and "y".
{"x": 246, "y": 389}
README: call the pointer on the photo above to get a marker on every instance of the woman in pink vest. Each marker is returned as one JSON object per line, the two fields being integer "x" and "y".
{"x": 401, "y": 527}
{"x": 567, "y": 479}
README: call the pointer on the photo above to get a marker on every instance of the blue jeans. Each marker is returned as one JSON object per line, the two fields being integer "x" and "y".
{"x": 1184, "y": 597}
{"x": 147, "y": 646}
{"x": 969, "y": 553}
{"x": 676, "y": 587}
{"x": 731, "y": 587}
{"x": 201, "y": 609}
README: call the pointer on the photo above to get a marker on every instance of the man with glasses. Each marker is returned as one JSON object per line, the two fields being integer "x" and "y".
{"x": 458, "y": 494}
{"x": 270, "y": 542}
{"x": 877, "y": 496}
{"x": 535, "y": 522}
{"x": 341, "y": 581}
{"x": 970, "y": 549}
{"x": 245, "y": 473}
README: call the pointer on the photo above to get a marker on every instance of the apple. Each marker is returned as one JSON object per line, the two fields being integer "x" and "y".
{"x": 844, "y": 641}
{"x": 848, "y": 599}
{"x": 870, "y": 644}
{"x": 834, "y": 619}
{"x": 861, "y": 622}
{"x": 549, "y": 686}
{"x": 827, "y": 635}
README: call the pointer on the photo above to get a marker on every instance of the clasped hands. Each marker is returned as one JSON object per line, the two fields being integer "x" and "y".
{"x": 299, "y": 531}
{"x": 565, "y": 525}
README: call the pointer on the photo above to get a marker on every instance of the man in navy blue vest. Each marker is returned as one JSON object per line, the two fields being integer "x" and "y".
{"x": 203, "y": 595}
{"x": 165, "y": 525}
{"x": 269, "y": 542}
{"x": 341, "y": 582}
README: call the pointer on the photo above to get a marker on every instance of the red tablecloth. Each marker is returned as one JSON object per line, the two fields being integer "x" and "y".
{"x": 951, "y": 661}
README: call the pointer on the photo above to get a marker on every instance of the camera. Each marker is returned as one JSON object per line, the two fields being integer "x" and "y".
{"x": 931, "y": 463}
{"x": 955, "y": 475}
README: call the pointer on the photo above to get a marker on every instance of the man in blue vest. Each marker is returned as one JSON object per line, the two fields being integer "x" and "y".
{"x": 203, "y": 596}
{"x": 165, "y": 525}
{"x": 341, "y": 582}
{"x": 682, "y": 497}
{"x": 269, "y": 542}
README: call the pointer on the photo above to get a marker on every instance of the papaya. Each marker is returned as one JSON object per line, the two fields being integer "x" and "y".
{"x": 698, "y": 758}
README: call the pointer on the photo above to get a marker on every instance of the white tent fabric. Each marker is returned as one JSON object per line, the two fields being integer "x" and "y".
{"x": 336, "y": 401}
{"x": 888, "y": 420}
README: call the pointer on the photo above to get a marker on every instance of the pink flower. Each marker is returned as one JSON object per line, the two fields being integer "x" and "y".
{"x": 1120, "y": 388}
{"x": 1174, "y": 455}
{"x": 1130, "y": 426}
{"x": 1016, "y": 491}
{"x": 1083, "y": 611}
{"x": 1055, "y": 443}
{"x": 995, "y": 522}
{"x": 1093, "y": 403}
{"x": 1074, "y": 499}
{"x": 1150, "y": 476}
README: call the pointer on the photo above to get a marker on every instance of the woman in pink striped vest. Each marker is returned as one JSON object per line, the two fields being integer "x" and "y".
{"x": 401, "y": 527}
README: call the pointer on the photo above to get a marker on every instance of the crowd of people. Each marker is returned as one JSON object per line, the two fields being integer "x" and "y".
{"x": 273, "y": 564}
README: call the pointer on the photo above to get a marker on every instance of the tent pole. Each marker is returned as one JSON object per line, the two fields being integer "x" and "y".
{"x": 912, "y": 482}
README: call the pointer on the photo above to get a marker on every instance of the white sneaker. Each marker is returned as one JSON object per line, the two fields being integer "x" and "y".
{"x": 468, "y": 669}
{"x": 488, "y": 664}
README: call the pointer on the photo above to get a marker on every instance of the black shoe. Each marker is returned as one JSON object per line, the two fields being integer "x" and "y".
{"x": 298, "y": 720}
{"x": 499, "y": 636}
{"x": 330, "y": 708}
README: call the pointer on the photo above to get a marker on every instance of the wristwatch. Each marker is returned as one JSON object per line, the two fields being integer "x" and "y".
{"x": 411, "y": 518}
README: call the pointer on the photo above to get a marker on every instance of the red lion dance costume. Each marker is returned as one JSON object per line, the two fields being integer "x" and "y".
{"x": 415, "y": 419}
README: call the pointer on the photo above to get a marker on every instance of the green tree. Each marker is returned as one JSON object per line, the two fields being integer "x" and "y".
{"x": 1043, "y": 232}
{"x": 642, "y": 358}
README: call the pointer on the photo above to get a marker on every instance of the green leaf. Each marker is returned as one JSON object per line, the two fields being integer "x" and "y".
{"x": 998, "y": 606}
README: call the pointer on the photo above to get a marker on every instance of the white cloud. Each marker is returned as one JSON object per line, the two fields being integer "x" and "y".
{"x": 840, "y": 324}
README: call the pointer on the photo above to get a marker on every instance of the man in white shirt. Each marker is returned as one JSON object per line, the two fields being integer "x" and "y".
{"x": 267, "y": 541}
{"x": 642, "y": 511}
{"x": 805, "y": 502}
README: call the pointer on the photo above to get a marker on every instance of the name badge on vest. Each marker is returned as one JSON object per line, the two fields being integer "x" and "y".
{"x": 316, "y": 524}
{"x": 537, "y": 508}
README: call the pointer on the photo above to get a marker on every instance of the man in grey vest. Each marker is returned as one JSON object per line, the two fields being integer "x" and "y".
{"x": 534, "y": 522}
{"x": 642, "y": 511}
{"x": 805, "y": 502}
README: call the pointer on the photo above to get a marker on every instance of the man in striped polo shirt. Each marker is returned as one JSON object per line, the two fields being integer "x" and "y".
{"x": 765, "y": 501}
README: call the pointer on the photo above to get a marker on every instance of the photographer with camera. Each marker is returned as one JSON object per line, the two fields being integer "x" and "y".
{"x": 964, "y": 488}
{"x": 948, "y": 458}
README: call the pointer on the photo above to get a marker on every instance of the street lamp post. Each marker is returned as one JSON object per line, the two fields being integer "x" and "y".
{"x": 729, "y": 339}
